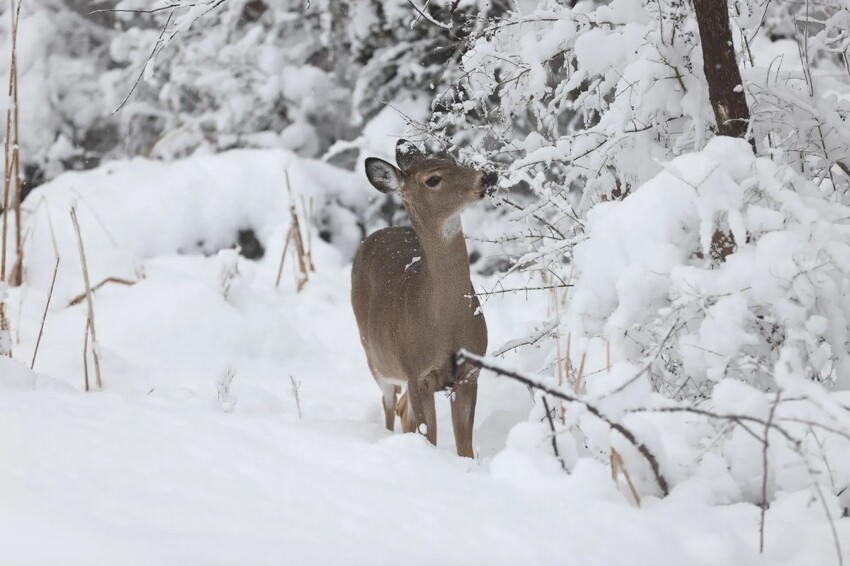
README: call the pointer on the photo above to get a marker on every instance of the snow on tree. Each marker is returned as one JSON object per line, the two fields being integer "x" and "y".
{"x": 705, "y": 281}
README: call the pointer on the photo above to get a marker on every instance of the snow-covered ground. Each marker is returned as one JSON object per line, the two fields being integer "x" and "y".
{"x": 172, "y": 462}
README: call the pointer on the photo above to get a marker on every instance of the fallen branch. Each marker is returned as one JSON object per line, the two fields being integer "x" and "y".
{"x": 481, "y": 362}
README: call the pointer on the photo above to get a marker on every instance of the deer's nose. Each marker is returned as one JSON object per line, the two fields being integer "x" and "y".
{"x": 490, "y": 179}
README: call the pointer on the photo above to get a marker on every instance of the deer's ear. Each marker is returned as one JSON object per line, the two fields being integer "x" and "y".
{"x": 406, "y": 153}
{"x": 383, "y": 176}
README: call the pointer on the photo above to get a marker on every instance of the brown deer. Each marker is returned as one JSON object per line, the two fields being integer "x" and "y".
{"x": 412, "y": 295}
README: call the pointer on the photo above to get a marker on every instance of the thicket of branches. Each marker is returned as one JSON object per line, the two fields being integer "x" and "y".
{"x": 214, "y": 75}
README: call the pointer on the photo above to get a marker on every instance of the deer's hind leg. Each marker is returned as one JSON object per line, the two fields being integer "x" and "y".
{"x": 421, "y": 393}
{"x": 405, "y": 413}
{"x": 464, "y": 396}
{"x": 389, "y": 402}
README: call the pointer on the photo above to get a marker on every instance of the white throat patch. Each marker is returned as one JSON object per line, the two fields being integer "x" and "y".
{"x": 451, "y": 227}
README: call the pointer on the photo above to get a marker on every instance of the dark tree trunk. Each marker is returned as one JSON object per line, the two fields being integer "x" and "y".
{"x": 721, "y": 69}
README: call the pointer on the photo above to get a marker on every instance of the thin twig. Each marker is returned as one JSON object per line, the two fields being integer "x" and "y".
{"x": 431, "y": 20}
{"x": 554, "y": 435}
{"x": 140, "y": 10}
{"x": 156, "y": 49}
{"x": 517, "y": 290}
{"x": 764, "y": 448}
{"x": 528, "y": 341}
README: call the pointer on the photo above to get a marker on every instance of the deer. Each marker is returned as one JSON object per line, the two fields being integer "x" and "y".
{"x": 412, "y": 294}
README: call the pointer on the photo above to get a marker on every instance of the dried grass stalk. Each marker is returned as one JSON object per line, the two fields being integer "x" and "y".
{"x": 580, "y": 375}
{"x": 283, "y": 257}
{"x": 86, "y": 355}
{"x": 617, "y": 465}
{"x": 90, "y": 301}
{"x": 44, "y": 314}
{"x": 6, "y": 193}
{"x": 17, "y": 271}
{"x": 10, "y": 145}
{"x": 117, "y": 280}
{"x": 302, "y": 249}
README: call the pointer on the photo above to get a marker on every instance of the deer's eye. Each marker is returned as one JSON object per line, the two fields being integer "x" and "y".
{"x": 433, "y": 181}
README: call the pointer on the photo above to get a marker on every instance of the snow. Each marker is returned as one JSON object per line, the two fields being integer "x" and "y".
{"x": 197, "y": 450}
{"x": 696, "y": 399}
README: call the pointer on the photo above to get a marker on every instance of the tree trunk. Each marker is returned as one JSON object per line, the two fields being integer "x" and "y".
{"x": 721, "y": 69}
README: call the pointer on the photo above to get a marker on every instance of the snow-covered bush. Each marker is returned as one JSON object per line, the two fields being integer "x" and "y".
{"x": 592, "y": 98}
{"x": 646, "y": 280}
{"x": 704, "y": 329}
{"x": 210, "y": 75}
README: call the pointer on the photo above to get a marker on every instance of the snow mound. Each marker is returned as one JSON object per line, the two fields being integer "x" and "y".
{"x": 133, "y": 210}
{"x": 651, "y": 262}
{"x": 238, "y": 421}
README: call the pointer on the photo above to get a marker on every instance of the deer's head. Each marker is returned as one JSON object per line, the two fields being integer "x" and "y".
{"x": 434, "y": 189}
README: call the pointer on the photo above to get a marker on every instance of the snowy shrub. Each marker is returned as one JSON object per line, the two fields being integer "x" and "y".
{"x": 210, "y": 76}
{"x": 583, "y": 103}
{"x": 704, "y": 339}
{"x": 646, "y": 280}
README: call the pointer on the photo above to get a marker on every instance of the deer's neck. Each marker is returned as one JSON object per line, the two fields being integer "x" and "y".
{"x": 446, "y": 262}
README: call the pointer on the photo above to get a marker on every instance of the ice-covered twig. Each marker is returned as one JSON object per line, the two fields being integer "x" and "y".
{"x": 425, "y": 15}
{"x": 158, "y": 46}
{"x": 530, "y": 340}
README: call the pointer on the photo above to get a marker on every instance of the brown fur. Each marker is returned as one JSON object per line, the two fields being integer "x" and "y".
{"x": 414, "y": 314}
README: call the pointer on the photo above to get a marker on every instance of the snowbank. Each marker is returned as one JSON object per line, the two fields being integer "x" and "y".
{"x": 239, "y": 423}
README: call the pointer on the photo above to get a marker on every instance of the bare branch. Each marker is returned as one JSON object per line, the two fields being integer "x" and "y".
{"x": 554, "y": 434}
{"x": 425, "y": 15}
{"x": 483, "y": 363}
{"x": 156, "y": 49}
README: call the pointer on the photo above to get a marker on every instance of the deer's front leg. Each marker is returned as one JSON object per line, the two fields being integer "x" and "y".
{"x": 464, "y": 396}
{"x": 421, "y": 393}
